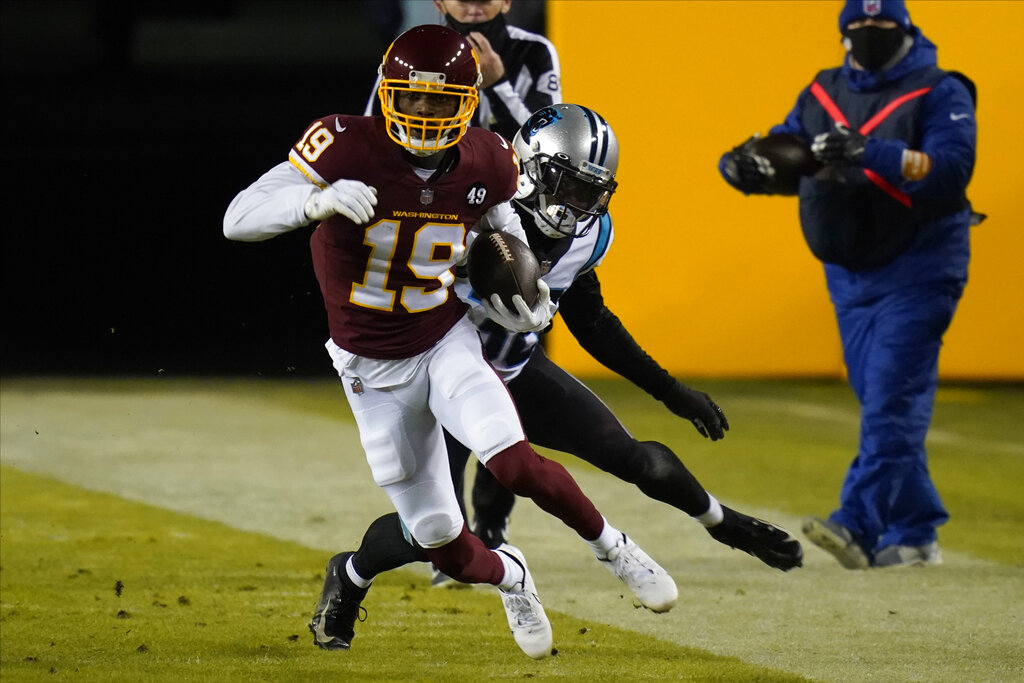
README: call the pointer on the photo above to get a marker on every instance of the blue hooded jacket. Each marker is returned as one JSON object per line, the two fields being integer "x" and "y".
{"x": 934, "y": 243}
{"x": 950, "y": 136}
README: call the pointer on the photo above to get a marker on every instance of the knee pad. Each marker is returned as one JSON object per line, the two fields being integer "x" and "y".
{"x": 429, "y": 511}
{"x": 436, "y": 529}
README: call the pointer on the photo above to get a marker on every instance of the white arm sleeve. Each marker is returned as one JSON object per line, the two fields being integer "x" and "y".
{"x": 503, "y": 217}
{"x": 272, "y": 205}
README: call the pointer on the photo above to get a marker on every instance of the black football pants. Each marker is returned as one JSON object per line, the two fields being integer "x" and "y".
{"x": 560, "y": 413}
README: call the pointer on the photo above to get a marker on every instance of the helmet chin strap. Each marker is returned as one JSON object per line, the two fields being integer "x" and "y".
{"x": 422, "y": 153}
{"x": 406, "y": 138}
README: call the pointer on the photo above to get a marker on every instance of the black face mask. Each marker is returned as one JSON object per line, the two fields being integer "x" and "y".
{"x": 873, "y": 46}
{"x": 495, "y": 30}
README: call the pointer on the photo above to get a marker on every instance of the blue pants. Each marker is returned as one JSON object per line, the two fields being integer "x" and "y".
{"x": 891, "y": 349}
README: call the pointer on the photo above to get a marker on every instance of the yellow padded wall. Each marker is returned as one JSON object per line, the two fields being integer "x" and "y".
{"x": 713, "y": 283}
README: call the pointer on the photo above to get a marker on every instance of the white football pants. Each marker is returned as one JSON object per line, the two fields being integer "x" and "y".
{"x": 400, "y": 407}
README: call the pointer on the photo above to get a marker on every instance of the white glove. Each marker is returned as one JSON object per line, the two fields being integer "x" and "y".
{"x": 353, "y": 199}
{"x": 528, "y": 320}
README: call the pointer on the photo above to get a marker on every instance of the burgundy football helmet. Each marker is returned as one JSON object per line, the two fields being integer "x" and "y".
{"x": 439, "y": 62}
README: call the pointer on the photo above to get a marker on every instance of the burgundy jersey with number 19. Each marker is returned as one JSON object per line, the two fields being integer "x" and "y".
{"x": 387, "y": 284}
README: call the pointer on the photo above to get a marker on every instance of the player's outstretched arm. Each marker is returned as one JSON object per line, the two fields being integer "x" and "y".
{"x": 603, "y": 336}
{"x": 272, "y": 205}
{"x": 283, "y": 199}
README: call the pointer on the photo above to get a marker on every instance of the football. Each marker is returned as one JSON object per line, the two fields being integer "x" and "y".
{"x": 791, "y": 158}
{"x": 500, "y": 263}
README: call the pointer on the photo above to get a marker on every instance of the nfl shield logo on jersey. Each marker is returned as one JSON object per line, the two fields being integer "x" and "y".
{"x": 872, "y": 7}
{"x": 426, "y": 196}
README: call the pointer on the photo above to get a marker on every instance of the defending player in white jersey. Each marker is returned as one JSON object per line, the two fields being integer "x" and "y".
{"x": 569, "y": 156}
{"x": 395, "y": 198}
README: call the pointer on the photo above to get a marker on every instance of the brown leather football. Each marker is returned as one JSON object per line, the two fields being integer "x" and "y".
{"x": 791, "y": 158}
{"x": 500, "y": 263}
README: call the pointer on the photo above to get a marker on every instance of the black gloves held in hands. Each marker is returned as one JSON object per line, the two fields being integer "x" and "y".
{"x": 698, "y": 408}
{"x": 840, "y": 146}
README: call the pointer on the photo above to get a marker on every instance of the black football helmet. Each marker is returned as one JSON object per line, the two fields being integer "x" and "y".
{"x": 569, "y": 155}
{"x": 439, "y": 61}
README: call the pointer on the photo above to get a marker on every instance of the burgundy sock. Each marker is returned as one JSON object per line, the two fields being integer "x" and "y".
{"x": 525, "y": 473}
{"x": 468, "y": 560}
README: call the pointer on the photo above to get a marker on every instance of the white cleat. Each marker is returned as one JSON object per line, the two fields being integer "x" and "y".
{"x": 649, "y": 582}
{"x": 526, "y": 617}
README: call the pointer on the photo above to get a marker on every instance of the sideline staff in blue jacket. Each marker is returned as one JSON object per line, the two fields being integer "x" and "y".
{"x": 888, "y": 216}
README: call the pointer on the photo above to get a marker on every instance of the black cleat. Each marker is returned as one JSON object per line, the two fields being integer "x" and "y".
{"x": 333, "y": 622}
{"x": 768, "y": 543}
{"x": 492, "y": 534}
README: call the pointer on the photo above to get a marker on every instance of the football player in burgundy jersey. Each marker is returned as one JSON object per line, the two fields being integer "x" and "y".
{"x": 395, "y": 197}
{"x": 569, "y": 155}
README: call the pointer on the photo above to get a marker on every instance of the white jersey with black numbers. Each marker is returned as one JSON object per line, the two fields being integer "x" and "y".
{"x": 508, "y": 351}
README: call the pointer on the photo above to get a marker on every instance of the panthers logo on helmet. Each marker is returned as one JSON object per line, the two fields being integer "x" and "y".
{"x": 540, "y": 119}
{"x": 567, "y": 172}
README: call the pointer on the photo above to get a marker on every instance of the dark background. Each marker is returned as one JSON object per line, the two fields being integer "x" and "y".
{"x": 127, "y": 128}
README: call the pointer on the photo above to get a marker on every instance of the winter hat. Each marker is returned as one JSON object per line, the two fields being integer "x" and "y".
{"x": 895, "y": 10}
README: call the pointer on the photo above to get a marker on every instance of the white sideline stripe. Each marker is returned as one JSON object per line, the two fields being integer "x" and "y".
{"x": 814, "y": 411}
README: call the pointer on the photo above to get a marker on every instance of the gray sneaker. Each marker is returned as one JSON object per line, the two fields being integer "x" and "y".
{"x": 927, "y": 555}
{"x": 836, "y": 540}
{"x": 526, "y": 618}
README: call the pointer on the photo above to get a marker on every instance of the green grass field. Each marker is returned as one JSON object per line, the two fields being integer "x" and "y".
{"x": 178, "y": 530}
